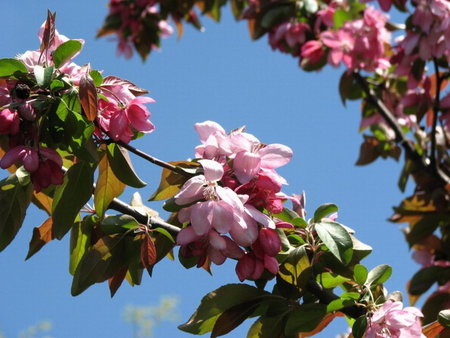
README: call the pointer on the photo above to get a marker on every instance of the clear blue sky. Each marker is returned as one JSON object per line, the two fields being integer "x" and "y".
{"x": 218, "y": 75}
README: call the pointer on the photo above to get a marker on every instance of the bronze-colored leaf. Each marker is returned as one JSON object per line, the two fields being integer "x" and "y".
{"x": 369, "y": 151}
{"x": 41, "y": 236}
{"x": 432, "y": 330}
{"x": 49, "y": 31}
{"x": 43, "y": 202}
{"x": 148, "y": 252}
{"x": 115, "y": 281}
{"x": 323, "y": 324}
{"x": 88, "y": 96}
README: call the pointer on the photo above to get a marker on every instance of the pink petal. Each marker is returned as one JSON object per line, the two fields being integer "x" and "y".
{"x": 191, "y": 191}
{"x": 213, "y": 170}
{"x": 201, "y": 217}
{"x": 187, "y": 235}
{"x": 217, "y": 242}
{"x": 246, "y": 165}
{"x": 274, "y": 156}
{"x": 223, "y": 216}
{"x": 206, "y": 128}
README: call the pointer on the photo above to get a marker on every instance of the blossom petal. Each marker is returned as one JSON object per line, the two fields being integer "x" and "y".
{"x": 275, "y": 155}
{"x": 213, "y": 170}
{"x": 246, "y": 165}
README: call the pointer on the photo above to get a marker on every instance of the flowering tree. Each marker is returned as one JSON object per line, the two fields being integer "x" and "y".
{"x": 65, "y": 137}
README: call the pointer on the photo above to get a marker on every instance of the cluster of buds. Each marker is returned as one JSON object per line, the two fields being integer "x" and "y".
{"x": 228, "y": 209}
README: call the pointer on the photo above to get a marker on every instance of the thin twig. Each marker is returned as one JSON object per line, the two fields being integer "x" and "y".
{"x": 154, "y": 160}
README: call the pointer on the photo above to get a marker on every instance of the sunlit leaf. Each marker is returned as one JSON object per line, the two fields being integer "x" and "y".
{"x": 71, "y": 196}
{"x": 65, "y": 52}
{"x": 337, "y": 240}
{"x": 324, "y": 210}
{"x": 88, "y": 96}
{"x": 107, "y": 188}
{"x": 330, "y": 280}
{"x": 378, "y": 275}
{"x": 43, "y": 202}
{"x": 41, "y": 236}
{"x": 43, "y": 75}
{"x": 360, "y": 273}
{"x": 80, "y": 241}
{"x": 296, "y": 269}
{"x": 171, "y": 182}
{"x": 118, "y": 224}
{"x": 10, "y": 67}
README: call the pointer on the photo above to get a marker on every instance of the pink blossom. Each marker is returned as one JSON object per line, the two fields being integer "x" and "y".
{"x": 9, "y": 121}
{"x": 43, "y": 164}
{"x": 312, "y": 52}
{"x": 289, "y": 36}
{"x": 211, "y": 135}
{"x": 392, "y": 320}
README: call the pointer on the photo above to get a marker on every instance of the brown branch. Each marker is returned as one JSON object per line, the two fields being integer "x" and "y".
{"x": 400, "y": 138}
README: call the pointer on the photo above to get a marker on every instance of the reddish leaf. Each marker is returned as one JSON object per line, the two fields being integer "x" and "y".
{"x": 432, "y": 330}
{"x": 41, "y": 236}
{"x": 115, "y": 281}
{"x": 368, "y": 151}
{"x": 433, "y": 81}
{"x": 114, "y": 80}
{"x": 43, "y": 202}
{"x": 49, "y": 31}
{"x": 148, "y": 252}
{"x": 88, "y": 96}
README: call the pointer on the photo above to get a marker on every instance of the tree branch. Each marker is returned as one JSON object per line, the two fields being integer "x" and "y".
{"x": 154, "y": 160}
{"x": 124, "y": 208}
{"x": 400, "y": 137}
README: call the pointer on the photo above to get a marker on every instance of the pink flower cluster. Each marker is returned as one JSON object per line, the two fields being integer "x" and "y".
{"x": 121, "y": 113}
{"x": 228, "y": 208}
{"x": 122, "y": 110}
{"x": 360, "y": 43}
{"x": 132, "y": 16}
{"x": 392, "y": 320}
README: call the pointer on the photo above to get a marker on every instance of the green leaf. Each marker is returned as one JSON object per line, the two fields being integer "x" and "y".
{"x": 97, "y": 77}
{"x": 444, "y": 318}
{"x": 65, "y": 52}
{"x": 80, "y": 241}
{"x": 345, "y": 86}
{"x": 71, "y": 196}
{"x": 340, "y": 16}
{"x": 267, "y": 327}
{"x": 101, "y": 262}
{"x": 337, "y": 240}
{"x": 296, "y": 269}
{"x": 120, "y": 163}
{"x": 217, "y": 302}
{"x": 360, "y": 273}
{"x": 359, "y": 327}
{"x": 287, "y": 215}
{"x": 338, "y": 304}
{"x": 171, "y": 182}
{"x": 107, "y": 188}
{"x": 426, "y": 277}
{"x": 44, "y": 75}
{"x": 378, "y": 275}
{"x": 118, "y": 224}
{"x": 12, "y": 68}
{"x": 14, "y": 201}
{"x": 305, "y": 318}
{"x": 330, "y": 280}
{"x": 324, "y": 210}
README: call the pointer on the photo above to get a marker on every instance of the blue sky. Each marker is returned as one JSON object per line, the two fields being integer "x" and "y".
{"x": 218, "y": 75}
